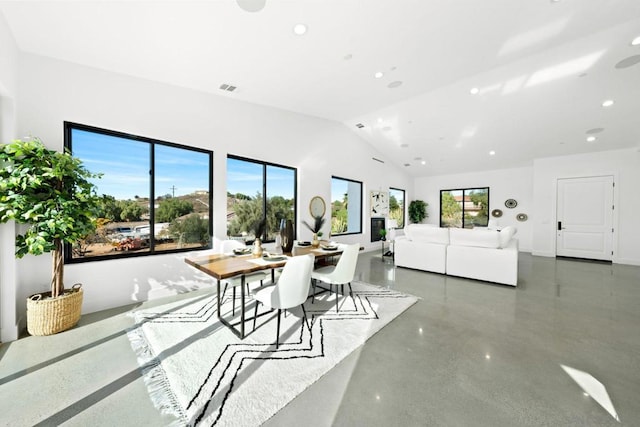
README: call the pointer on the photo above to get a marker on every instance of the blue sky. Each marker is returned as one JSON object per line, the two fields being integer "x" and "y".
{"x": 246, "y": 178}
{"x": 125, "y": 164}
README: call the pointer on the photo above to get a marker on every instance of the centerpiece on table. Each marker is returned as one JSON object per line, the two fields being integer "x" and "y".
{"x": 318, "y": 222}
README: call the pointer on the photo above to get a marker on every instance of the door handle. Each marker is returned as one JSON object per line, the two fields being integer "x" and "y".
{"x": 559, "y": 225}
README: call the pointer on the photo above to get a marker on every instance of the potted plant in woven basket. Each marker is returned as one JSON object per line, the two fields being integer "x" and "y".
{"x": 50, "y": 192}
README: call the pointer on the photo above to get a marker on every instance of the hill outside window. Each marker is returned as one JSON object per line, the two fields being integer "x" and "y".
{"x": 156, "y": 195}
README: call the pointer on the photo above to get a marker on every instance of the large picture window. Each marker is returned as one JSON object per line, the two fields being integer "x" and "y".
{"x": 346, "y": 206}
{"x": 396, "y": 206}
{"x": 464, "y": 208}
{"x": 247, "y": 181}
{"x": 156, "y": 195}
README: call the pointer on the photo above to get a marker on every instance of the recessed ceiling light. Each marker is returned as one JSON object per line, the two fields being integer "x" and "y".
{"x": 474, "y": 91}
{"x": 394, "y": 85}
{"x": 591, "y": 138}
{"x": 423, "y": 162}
{"x": 492, "y": 153}
{"x": 636, "y": 41}
{"x": 300, "y": 29}
{"x": 607, "y": 103}
{"x": 378, "y": 75}
{"x": 251, "y": 5}
{"x": 407, "y": 164}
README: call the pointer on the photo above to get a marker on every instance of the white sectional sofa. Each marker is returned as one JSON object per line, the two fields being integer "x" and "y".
{"x": 481, "y": 254}
{"x": 423, "y": 247}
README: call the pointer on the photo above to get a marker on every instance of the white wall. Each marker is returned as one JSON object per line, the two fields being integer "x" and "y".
{"x": 8, "y": 284}
{"x": 503, "y": 184}
{"x": 624, "y": 165}
{"x": 53, "y": 91}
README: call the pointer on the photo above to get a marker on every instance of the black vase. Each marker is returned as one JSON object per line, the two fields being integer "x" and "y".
{"x": 286, "y": 233}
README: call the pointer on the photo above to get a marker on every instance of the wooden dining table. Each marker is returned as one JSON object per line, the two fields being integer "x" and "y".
{"x": 226, "y": 266}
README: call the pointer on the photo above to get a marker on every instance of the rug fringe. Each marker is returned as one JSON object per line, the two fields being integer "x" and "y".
{"x": 387, "y": 289}
{"x": 154, "y": 378}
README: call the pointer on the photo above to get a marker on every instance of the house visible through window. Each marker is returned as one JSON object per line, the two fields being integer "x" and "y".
{"x": 247, "y": 181}
{"x": 346, "y": 206}
{"x": 156, "y": 196}
{"x": 464, "y": 208}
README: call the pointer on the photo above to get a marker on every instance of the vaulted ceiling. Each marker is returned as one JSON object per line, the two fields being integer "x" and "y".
{"x": 463, "y": 85}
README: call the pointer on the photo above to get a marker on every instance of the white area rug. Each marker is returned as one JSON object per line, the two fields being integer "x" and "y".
{"x": 198, "y": 370}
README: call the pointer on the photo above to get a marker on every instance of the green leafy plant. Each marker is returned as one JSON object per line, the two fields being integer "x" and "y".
{"x": 417, "y": 211}
{"x": 51, "y": 192}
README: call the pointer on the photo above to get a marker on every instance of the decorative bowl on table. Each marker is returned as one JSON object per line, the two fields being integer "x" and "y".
{"x": 329, "y": 248}
{"x": 242, "y": 251}
{"x": 304, "y": 243}
{"x": 273, "y": 257}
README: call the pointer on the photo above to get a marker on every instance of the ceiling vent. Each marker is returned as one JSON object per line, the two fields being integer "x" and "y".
{"x": 359, "y": 125}
{"x": 228, "y": 88}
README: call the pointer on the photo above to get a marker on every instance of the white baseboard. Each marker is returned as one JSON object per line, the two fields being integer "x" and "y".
{"x": 626, "y": 261}
{"x": 545, "y": 254}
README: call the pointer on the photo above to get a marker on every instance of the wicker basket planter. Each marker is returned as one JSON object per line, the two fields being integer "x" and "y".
{"x": 48, "y": 316}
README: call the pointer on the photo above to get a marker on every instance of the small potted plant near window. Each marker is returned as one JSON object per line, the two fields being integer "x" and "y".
{"x": 258, "y": 231}
{"x": 51, "y": 193}
{"x": 318, "y": 222}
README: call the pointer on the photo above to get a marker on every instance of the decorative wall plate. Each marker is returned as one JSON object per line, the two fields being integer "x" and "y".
{"x": 522, "y": 217}
{"x": 496, "y": 213}
{"x": 510, "y": 203}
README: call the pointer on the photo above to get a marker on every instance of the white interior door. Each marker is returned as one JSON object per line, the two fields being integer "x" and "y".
{"x": 585, "y": 217}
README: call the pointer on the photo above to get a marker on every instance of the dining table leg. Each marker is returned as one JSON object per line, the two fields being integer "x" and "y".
{"x": 218, "y": 297}
{"x": 242, "y": 283}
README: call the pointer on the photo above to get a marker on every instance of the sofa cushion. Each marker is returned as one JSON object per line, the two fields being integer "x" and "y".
{"x": 427, "y": 233}
{"x": 505, "y": 235}
{"x": 481, "y": 238}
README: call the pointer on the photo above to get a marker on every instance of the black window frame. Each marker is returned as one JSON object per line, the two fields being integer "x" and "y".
{"x": 264, "y": 165}
{"x": 68, "y": 145}
{"x": 404, "y": 207}
{"x": 361, "y": 205}
{"x": 463, "y": 208}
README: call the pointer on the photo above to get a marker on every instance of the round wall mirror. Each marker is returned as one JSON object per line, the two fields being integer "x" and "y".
{"x": 317, "y": 207}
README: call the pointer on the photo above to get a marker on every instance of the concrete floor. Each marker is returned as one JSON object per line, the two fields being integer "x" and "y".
{"x": 468, "y": 353}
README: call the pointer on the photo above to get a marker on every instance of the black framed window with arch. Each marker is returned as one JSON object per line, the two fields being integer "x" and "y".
{"x": 156, "y": 196}
{"x": 346, "y": 206}
{"x": 464, "y": 207}
{"x": 248, "y": 181}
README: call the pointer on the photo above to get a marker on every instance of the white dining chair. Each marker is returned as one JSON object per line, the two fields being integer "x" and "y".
{"x": 340, "y": 274}
{"x": 291, "y": 289}
{"x": 227, "y": 246}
